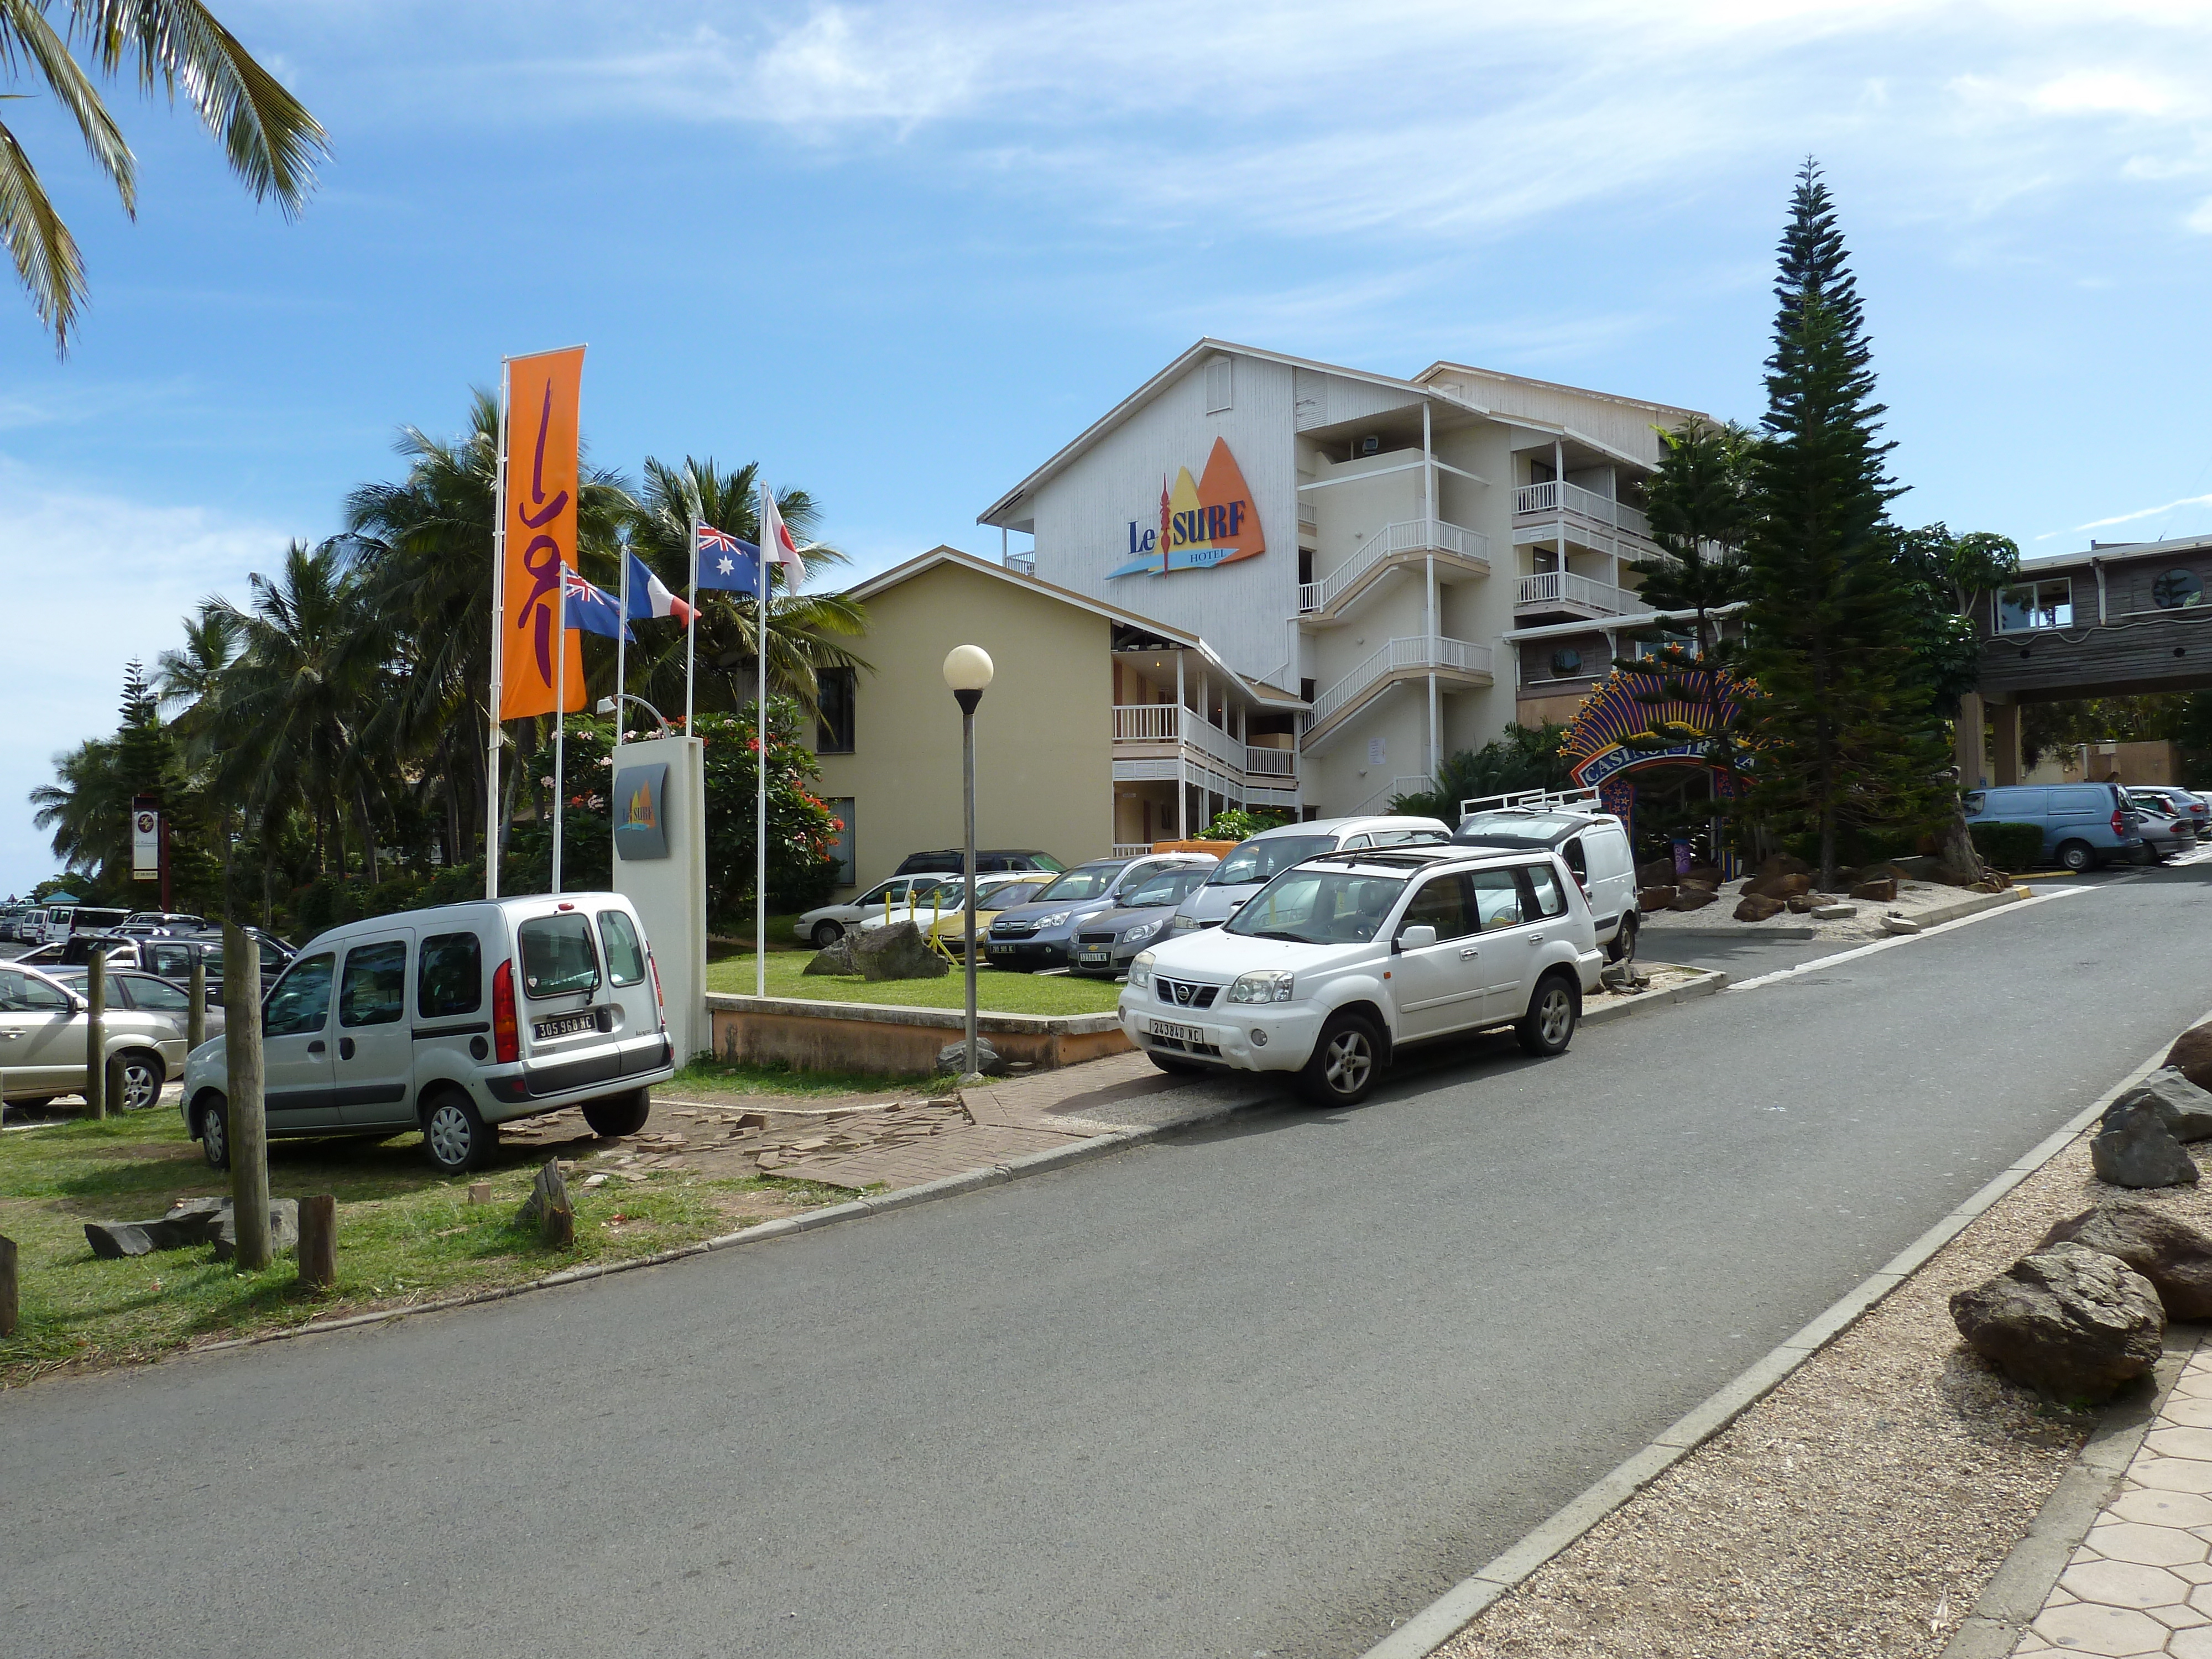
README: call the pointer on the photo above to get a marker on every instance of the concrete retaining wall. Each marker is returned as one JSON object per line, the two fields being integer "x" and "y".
{"x": 873, "y": 1036}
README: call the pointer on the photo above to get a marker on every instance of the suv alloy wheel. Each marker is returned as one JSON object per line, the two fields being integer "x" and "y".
{"x": 1347, "y": 1058}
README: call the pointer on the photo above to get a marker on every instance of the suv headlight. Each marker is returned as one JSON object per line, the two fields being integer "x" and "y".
{"x": 1184, "y": 924}
{"x": 1140, "y": 970}
{"x": 1052, "y": 920}
{"x": 1143, "y": 930}
{"x": 1268, "y": 985}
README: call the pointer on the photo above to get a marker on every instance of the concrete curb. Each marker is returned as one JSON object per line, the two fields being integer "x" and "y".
{"x": 1758, "y": 933}
{"x": 2016, "y": 1592}
{"x": 1706, "y": 984}
{"x": 1443, "y": 1618}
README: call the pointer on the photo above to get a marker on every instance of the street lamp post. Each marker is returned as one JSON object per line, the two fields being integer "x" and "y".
{"x": 968, "y": 671}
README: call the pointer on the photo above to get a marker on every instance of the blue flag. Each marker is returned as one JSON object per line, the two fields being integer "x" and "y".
{"x": 594, "y": 611}
{"x": 727, "y": 560}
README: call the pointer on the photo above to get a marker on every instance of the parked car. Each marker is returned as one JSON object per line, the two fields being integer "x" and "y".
{"x": 30, "y": 927}
{"x": 1345, "y": 957}
{"x": 146, "y": 993}
{"x": 1041, "y": 934}
{"x": 76, "y": 951}
{"x": 10, "y": 918}
{"x": 2084, "y": 824}
{"x": 2181, "y": 803}
{"x": 2165, "y": 830}
{"x": 823, "y": 925}
{"x": 1594, "y": 846}
{"x": 144, "y": 924}
{"x": 943, "y": 899}
{"x": 996, "y": 860}
{"x": 455, "y": 1020}
{"x": 60, "y": 921}
{"x": 1106, "y": 944}
{"x": 1259, "y": 861}
{"x": 950, "y": 930}
{"x": 46, "y": 1043}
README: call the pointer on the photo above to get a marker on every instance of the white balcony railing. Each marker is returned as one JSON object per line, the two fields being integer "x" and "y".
{"x": 1399, "y": 656}
{"x": 1132, "y": 849}
{"x": 1167, "y": 722}
{"x": 1414, "y": 535}
{"x": 1557, "y": 497}
{"x": 1022, "y": 564}
{"x": 1557, "y": 586}
{"x": 1271, "y": 763}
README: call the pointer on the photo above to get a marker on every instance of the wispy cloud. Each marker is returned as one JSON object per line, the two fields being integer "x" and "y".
{"x": 2130, "y": 518}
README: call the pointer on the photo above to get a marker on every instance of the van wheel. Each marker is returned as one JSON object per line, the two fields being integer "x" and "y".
{"x": 455, "y": 1137}
{"x": 619, "y": 1114}
{"x": 134, "y": 1080}
{"x": 1549, "y": 1025}
{"x": 827, "y": 933}
{"x": 1623, "y": 948}
{"x": 213, "y": 1127}
{"x": 2077, "y": 856}
{"x": 1345, "y": 1062}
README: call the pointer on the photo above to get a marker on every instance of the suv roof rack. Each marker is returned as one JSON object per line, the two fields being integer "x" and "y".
{"x": 1584, "y": 801}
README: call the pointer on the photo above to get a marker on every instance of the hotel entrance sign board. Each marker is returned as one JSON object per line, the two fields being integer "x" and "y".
{"x": 1202, "y": 524}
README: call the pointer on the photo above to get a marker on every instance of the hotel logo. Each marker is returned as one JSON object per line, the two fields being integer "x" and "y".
{"x": 1201, "y": 523}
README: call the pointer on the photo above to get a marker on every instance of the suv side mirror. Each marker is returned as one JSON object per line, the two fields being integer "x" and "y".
{"x": 1414, "y": 938}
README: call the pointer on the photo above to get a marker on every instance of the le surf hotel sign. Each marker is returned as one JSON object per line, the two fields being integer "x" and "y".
{"x": 1202, "y": 524}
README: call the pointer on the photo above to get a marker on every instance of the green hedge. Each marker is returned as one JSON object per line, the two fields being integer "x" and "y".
{"x": 2008, "y": 846}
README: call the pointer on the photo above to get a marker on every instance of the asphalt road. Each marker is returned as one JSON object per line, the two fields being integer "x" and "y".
{"x": 1256, "y": 1391}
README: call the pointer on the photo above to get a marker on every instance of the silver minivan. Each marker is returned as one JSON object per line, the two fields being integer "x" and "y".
{"x": 1257, "y": 862}
{"x": 452, "y": 1021}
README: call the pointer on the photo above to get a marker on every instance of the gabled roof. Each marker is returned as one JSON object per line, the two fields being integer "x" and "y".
{"x": 1445, "y": 366}
{"x": 1257, "y": 690}
{"x": 2104, "y": 552}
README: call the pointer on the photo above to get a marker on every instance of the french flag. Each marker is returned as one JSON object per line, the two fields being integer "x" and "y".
{"x": 649, "y": 595}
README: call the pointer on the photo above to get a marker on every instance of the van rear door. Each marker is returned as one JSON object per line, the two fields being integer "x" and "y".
{"x": 630, "y": 990}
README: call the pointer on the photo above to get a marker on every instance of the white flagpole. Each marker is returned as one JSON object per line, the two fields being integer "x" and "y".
{"x": 760, "y": 821}
{"x": 691, "y": 628}
{"x": 498, "y": 642}
{"x": 559, "y": 718}
{"x": 622, "y": 640}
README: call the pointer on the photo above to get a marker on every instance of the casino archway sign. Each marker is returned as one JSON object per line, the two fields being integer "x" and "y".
{"x": 1628, "y": 726}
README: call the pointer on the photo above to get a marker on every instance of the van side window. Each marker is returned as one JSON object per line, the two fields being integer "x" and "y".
{"x": 1544, "y": 887}
{"x": 301, "y": 1001}
{"x": 450, "y": 979}
{"x": 374, "y": 989}
{"x": 557, "y": 957}
{"x": 1577, "y": 861}
{"x": 625, "y": 962}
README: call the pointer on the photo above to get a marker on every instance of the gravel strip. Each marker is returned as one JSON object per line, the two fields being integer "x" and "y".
{"x": 1914, "y": 898}
{"x": 1858, "y": 1510}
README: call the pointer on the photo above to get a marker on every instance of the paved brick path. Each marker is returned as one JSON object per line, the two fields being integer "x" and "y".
{"x": 2141, "y": 1581}
{"x": 1016, "y": 1117}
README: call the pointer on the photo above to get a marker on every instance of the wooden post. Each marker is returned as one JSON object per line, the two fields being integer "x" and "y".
{"x": 7, "y": 1303}
{"x": 318, "y": 1241}
{"x": 95, "y": 1034}
{"x": 249, "y": 1123}
{"x": 196, "y": 1021}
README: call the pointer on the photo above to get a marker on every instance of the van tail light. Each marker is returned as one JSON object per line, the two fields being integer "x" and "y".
{"x": 659, "y": 1006}
{"x": 2119, "y": 824}
{"x": 505, "y": 1036}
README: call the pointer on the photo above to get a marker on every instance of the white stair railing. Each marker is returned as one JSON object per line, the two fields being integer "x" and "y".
{"x": 1401, "y": 656}
{"x": 1413, "y": 536}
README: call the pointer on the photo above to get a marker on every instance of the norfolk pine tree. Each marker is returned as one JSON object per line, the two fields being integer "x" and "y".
{"x": 1850, "y": 739}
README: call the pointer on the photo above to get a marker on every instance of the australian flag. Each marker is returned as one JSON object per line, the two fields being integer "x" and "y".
{"x": 593, "y": 610}
{"x": 727, "y": 560}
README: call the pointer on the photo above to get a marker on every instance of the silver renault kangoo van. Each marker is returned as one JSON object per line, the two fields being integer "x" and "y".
{"x": 452, "y": 1021}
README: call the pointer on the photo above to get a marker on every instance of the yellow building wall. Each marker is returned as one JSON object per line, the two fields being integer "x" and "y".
{"x": 1044, "y": 763}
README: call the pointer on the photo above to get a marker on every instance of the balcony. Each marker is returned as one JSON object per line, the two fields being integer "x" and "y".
{"x": 1155, "y": 740}
{"x": 1022, "y": 564}
{"x": 1541, "y": 511}
{"x": 1462, "y": 662}
{"x": 1562, "y": 592}
{"x": 1466, "y": 553}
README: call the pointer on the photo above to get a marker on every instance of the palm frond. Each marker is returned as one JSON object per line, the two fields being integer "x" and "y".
{"x": 45, "y": 254}
{"x": 24, "y": 30}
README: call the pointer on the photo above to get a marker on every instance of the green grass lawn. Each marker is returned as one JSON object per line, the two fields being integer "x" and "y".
{"x": 995, "y": 991}
{"x": 405, "y": 1234}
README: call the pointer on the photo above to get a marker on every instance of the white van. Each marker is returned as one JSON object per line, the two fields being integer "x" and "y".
{"x": 455, "y": 1020}
{"x": 1593, "y": 844}
{"x": 1257, "y": 862}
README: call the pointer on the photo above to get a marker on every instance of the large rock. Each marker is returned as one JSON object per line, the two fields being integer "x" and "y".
{"x": 283, "y": 1229}
{"x": 190, "y": 1221}
{"x": 1655, "y": 898}
{"x": 1692, "y": 898}
{"x": 1753, "y": 907}
{"x": 2184, "y": 1109}
{"x": 2134, "y": 1148}
{"x": 1658, "y": 872}
{"x": 1882, "y": 890}
{"x": 952, "y": 1059}
{"x": 836, "y": 957}
{"x": 1781, "y": 864}
{"x": 1777, "y": 886}
{"x": 2069, "y": 1322}
{"x": 2192, "y": 1055}
{"x": 897, "y": 951}
{"x": 1703, "y": 875}
{"x": 2176, "y": 1257}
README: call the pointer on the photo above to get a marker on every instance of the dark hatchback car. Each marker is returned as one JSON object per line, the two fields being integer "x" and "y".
{"x": 1041, "y": 934}
{"x": 1107, "y": 943}
{"x": 989, "y": 861}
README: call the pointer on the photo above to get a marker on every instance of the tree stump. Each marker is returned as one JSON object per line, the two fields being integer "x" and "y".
{"x": 318, "y": 1241}
{"x": 8, "y": 1301}
{"x": 547, "y": 1208}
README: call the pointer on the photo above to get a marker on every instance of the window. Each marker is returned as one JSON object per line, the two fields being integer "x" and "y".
{"x": 1566, "y": 665}
{"x": 301, "y": 1000}
{"x": 1496, "y": 897}
{"x": 833, "y": 689}
{"x": 1085, "y": 882}
{"x": 373, "y": 991}
{"x": 1319, "y": 907}
{"x": 24, "y": 993}
{"x": 557, "y": 957}
{"x": 1544, "y": 887}
{"x": 1171, "y": 888}
{"x": 1443, "y": 903}
{"x": 171, "y": 960}
{"x": 2029, "y": 605}
{"x": 625, "y": 960}
{"x": 450, "y": 976}
{"x": 1220, "y": 384}
{"x": 2177, "y": 590}
{"x": 155, "y": 995}
{"x": 1263, "y": 856}
{"x": 841, "y": 848}
{"x": 1664, "y": 641}
{"x": 1577, "y": 861}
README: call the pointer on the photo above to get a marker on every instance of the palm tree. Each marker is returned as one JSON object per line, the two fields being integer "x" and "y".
{"x": 271, "y": 140}
{"x": 87, "y": 807}
{"x": 806, "y": 631}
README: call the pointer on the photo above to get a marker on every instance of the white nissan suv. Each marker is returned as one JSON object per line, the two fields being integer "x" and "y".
{"x": 1340, "y": 959}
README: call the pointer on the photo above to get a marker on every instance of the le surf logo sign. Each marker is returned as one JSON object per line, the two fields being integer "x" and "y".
{"x": 1202, "y": 523}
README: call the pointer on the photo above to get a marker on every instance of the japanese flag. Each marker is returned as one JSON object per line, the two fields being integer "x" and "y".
{"x": 776, "y": 545}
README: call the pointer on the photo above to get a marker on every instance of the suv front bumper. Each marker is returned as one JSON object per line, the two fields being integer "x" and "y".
{"x": 1276, "y": 1037}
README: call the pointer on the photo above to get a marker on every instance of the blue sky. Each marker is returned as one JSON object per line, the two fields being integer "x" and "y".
{"x": 901, "y": 253}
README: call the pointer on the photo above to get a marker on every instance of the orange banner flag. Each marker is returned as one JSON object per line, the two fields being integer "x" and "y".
{"x": 539, "y": 471}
